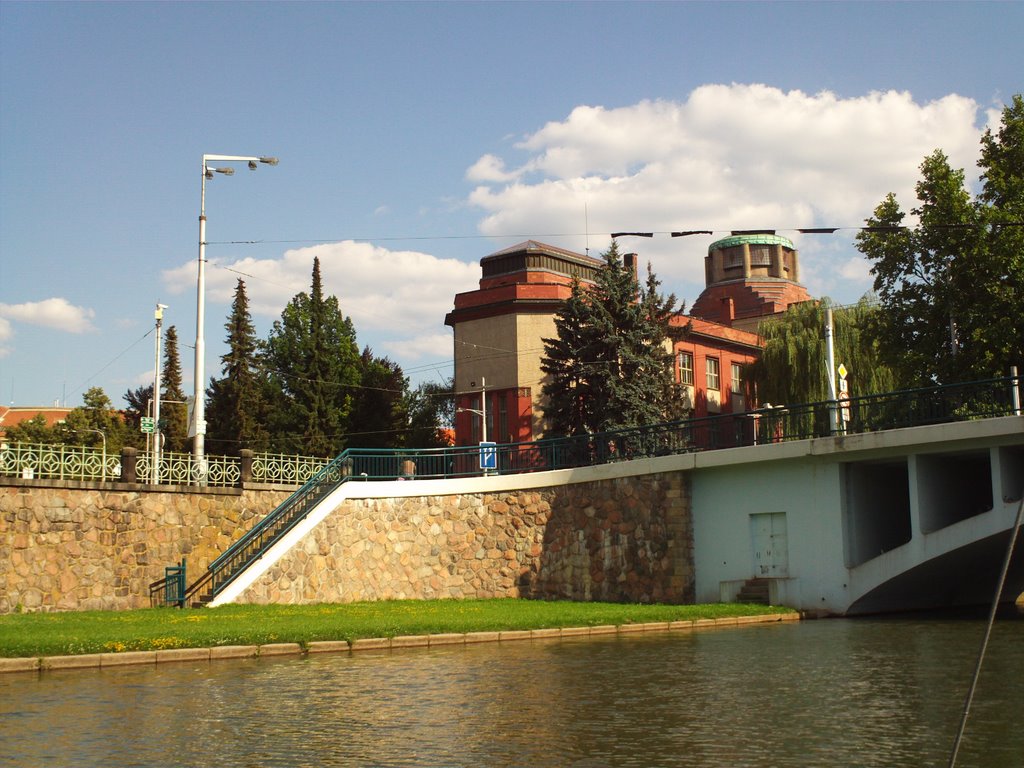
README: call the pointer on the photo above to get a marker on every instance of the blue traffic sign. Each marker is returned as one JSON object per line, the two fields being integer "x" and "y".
{"x": 488, "y": 456}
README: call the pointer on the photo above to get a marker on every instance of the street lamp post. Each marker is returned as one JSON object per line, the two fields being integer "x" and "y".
{"x": 197, "y": 426}
{"x": 155, "y": 456}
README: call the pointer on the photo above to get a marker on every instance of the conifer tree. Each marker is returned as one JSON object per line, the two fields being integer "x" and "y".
{"x": 237, "y": 402}
{"x": 314, "y": 365}
{"x": 173, "y": 411}
{"x": 609, "y": 365}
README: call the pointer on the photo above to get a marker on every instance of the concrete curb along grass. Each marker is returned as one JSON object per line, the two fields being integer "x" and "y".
{"x": 104, "y": 660}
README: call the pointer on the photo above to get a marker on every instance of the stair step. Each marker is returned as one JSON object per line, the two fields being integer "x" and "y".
{"x": 755, "y": 591}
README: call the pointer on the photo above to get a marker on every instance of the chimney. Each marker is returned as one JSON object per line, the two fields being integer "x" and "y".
{"x": 730, "y": 309}
{"x": 629, "y": 261}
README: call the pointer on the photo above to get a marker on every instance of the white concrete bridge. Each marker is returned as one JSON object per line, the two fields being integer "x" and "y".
{"x": 897, "y": 520}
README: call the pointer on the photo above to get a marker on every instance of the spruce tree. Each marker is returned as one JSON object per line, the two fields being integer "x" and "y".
{"x": 237, "y": 402}
{"x": 314, "y": 364}
{"x": 609, "y": 365}
{"x": 173, "y": 411}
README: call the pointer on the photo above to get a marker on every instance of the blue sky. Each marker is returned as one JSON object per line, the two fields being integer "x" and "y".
{"x": 416, "y": 138}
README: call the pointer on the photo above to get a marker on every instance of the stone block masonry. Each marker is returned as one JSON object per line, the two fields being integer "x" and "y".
{"x": 627, "y": 538}
{"x": 624, "y": 539}
{"x": 68, "y": 549}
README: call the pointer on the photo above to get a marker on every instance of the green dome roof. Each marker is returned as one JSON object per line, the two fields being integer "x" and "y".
{"x": 765, "y": 239}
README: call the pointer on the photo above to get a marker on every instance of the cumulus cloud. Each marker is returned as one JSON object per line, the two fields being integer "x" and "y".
{"x": 396, "y": 299}
{"x": 728, "y": 157}
{"x": 57, "y": 313}
{"x": 6, "y": 332}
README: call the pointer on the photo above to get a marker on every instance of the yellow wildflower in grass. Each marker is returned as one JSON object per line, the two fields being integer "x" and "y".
{"x": 115, "y": 647}
{"x": 163, "y": 643}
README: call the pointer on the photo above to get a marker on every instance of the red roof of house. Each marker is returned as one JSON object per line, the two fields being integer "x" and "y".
{"x": 14, "y": 415}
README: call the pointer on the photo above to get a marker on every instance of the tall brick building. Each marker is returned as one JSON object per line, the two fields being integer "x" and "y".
{"x": 499, "y": 329}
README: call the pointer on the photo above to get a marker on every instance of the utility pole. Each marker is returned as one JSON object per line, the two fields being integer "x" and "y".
{"x": 155, "y": 474}
{"x": 831, "y": 367}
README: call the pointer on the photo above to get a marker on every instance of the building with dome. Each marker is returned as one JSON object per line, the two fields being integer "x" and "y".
{"x": 499, "y": 330}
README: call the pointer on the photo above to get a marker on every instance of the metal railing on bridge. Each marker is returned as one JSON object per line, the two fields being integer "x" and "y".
{"x": 931, "y": 405}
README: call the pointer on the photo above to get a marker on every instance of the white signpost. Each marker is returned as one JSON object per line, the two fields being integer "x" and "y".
{"x": 844, "y": 398}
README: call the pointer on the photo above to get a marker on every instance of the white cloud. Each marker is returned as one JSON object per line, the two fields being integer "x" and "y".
{"x": 728, "y": 157}
{"x": 396, "y": 299}
{"x": 426, "y": 347}
{"x": 6, "y": 334}
{"x": 489, "y": 168}
{"x": 57, "y": 313}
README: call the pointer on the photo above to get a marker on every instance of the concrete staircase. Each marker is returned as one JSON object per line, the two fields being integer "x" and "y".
{"x": 754, "y": 591}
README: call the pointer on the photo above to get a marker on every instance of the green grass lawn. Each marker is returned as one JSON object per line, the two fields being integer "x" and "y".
{"x": 74, "y": 632}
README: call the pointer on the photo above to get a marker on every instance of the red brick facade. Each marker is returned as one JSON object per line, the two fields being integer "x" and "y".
{"x": 499, "y": 330}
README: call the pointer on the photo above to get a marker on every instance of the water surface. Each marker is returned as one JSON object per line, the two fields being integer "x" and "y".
{"x": 864, "y": 692}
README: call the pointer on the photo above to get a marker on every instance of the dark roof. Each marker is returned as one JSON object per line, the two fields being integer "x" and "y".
{"x": 534, "y": 246}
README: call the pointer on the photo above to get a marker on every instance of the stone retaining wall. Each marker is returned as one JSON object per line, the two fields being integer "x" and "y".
{"x": 624, "y": 539}
{"x": 627, "y": 539}
{"x": 66, "y": 549}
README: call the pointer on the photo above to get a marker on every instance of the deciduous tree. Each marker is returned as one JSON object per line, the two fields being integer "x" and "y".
{"x": 792, "y": 367}
{"x": 380, "y": 413}
{"x": 951, "y": 287}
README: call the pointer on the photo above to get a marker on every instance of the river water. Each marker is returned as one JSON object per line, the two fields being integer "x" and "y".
{"x": 840, "y": 692}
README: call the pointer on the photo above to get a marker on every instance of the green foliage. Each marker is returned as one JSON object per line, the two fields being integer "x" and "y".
{"x": 431, "y": 409}
{"x": 951, "y": 289}
{"x": 173, "y": 411}
{"x": 793, "y": 366}
{"x": 237, "y": 403}
{"x": 314, "y": 364}
{"x": 607, "y": 366}
{"x": 34, "y": 430}
{"x": 94, "y": 424}
{"x": 380, "y": 410}
{"x": 138, "y": 400}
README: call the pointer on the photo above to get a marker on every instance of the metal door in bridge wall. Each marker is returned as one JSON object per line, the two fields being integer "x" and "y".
{"x": 769, "y": 545}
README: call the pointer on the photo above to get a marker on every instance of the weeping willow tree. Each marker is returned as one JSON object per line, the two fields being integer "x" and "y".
{"x": 793, "y": 367}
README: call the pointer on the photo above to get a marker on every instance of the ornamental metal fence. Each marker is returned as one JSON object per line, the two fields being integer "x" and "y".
{"x": 285, "y": 469}
{"x": 45, "y": 461}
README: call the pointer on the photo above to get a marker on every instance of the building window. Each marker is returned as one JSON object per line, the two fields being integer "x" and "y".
{"x": 733, "y": 258}
{"x": 712, "y": 372}
{"x": 474, "y": 419}
{"x": 502, "y": 434}
{"x": 761, "y": 255}
{"x": 736, "y": 387}
{"x": 686, "y": 368}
